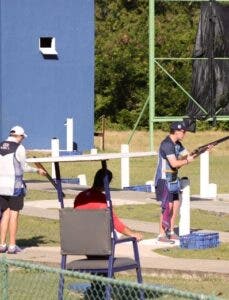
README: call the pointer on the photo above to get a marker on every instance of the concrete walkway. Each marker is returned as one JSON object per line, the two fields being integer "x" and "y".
{"x": 151, "y": 262}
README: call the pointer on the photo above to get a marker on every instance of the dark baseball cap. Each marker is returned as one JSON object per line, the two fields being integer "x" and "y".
{"x": 178, "y": 126}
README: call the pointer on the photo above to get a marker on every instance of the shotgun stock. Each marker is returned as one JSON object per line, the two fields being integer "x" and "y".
{"x": 204, "y": 148}
{"x": 51, "y": 180}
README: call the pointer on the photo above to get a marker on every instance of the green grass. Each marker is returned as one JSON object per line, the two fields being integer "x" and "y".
{"x": 142, "y": 212}
{"x": 206, "y": 284}
{"x": 33, "y": 195}
{"x": 34, "y": 232}
{"x": 221, "y": 252}
{"x": 40, "y": 195}
{"x": 34, "y": 284}
{"x": 200, "y": 219}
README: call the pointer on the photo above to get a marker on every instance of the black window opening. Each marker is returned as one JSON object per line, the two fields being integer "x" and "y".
{"x": 47, "y": 46}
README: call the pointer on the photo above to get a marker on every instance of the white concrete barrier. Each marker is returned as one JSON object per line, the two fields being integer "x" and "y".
{"x": 69, "y": 142}
{"x": 94, "y": 151}
{"x": 125, "y": 167}
{"x": 207, "y": 190}
{"x": 184, "y": 223}
{"x": 151, "y": 183}
{"x": 82, "y": 179}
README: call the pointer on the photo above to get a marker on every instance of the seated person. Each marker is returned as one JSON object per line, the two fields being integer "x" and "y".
{"x": 94, "y": 198}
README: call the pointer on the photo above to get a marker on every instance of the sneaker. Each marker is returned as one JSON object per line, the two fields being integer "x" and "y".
{"x": 13, "y": 250}
{"x": 3, "y": 248}
{"x": 165, "y": 239}
{"x": 174, "y": 236}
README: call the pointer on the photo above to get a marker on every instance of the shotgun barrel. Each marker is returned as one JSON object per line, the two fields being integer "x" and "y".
{"x": 204, "y": 148}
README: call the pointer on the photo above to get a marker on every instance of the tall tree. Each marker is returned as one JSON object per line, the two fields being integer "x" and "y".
{"x": 121, "y": 67}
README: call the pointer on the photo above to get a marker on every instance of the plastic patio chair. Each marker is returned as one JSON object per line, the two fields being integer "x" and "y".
{"x": 91, "y": 233}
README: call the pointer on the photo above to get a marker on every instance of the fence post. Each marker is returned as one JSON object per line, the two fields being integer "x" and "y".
{"x": 69, "y": 125}
{"x": 94, "y": 151}
{"x": 125, "y": 170}
{"x": 204, "y": 174}
{"x": 184, "y": 223}
{"x": 208, "y": 190}
{"x": 103, "y": 133}
{"x": 55, "y": 153}
{"x": 4, "y": 274}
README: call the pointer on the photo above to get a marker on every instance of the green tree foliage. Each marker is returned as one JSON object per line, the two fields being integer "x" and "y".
{"x": 121, "y": 65}
{"x": 175, "y": 26}
{"x": 122, "y": 58}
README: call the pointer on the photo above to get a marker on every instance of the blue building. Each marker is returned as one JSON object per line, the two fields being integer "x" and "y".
{"x": 47, "y": 70}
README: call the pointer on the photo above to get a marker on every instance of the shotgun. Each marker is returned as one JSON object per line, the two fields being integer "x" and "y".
{"x": 51, "y": 180}
{"x": 204, "y": 148}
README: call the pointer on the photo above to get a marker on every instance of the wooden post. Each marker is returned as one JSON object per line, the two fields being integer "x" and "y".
{"x": 103, "y": 132}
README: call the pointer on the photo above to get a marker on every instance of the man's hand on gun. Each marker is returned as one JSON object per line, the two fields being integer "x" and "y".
{"x": 190, "y": 158}
{"x": 209, "y": 147}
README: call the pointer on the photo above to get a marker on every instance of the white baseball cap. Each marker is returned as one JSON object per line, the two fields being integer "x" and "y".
{"x": 17, "y": 130}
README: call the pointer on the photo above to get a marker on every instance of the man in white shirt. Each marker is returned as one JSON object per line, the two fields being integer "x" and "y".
{"x": 12, "y": 189}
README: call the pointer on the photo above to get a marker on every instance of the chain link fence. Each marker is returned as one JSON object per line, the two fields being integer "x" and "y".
{"x": 22, "y": 280}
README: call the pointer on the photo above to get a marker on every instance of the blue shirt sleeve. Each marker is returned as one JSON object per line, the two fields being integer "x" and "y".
{"x": 167, "y": 148}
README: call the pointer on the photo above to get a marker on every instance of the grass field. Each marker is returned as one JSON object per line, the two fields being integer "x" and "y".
{"x": 200, "y": 219}
{"x": 32, "y": 284}
{"x": 207, "y": 284}
{"x": 43, "y": 232}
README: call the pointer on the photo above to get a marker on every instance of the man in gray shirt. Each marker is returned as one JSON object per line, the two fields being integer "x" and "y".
{"x": 12, "y": 189}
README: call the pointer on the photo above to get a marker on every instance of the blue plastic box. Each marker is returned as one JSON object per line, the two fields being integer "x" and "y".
{"x": 139, "y": 188}
{"x": 69, "y": 153}
{"x": 200, "y": 240}
{"x": 70, "y": 180}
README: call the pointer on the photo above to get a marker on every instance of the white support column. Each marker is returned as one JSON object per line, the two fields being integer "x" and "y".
{"x": 69, "y": 125}
{"x": 125, "y": 170}
{"x": 82, "y": 179}
{"x": 55, "y": 145}
{"x": 151, "y": 183}
{"x": 94, "y": 151}
{"x": 184, "y": 223}
{"x": 207, "y": 190}
{"x": 204, "y": 174}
